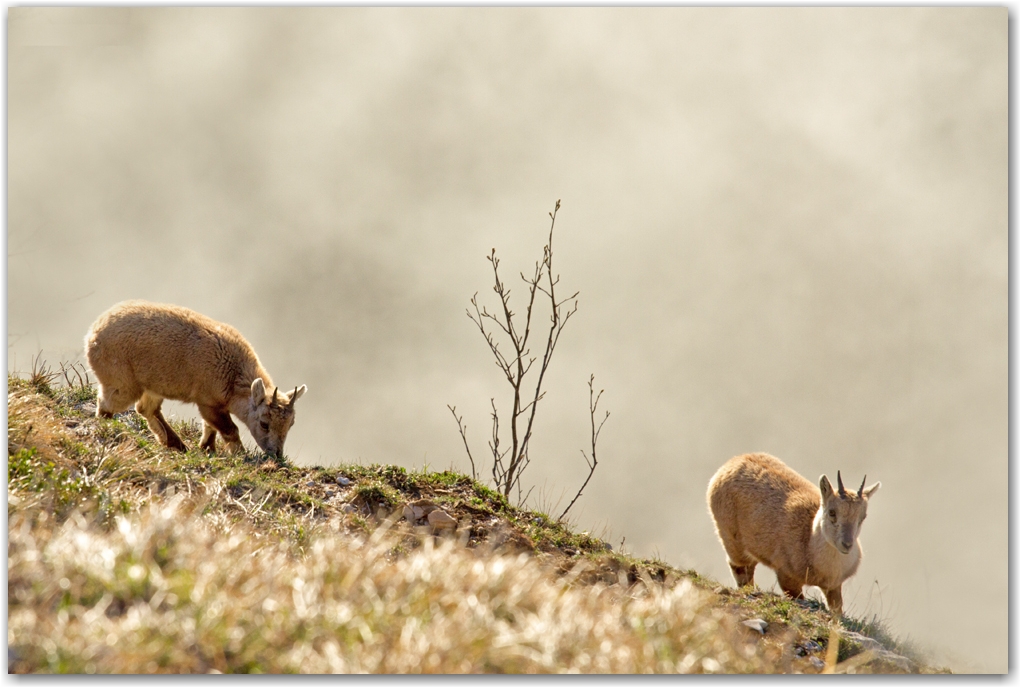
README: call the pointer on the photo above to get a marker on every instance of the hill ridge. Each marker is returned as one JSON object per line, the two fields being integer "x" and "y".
{"x": 70, "y": 473}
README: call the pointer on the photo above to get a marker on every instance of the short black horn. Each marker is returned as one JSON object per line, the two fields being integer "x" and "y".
{"x": 860, "y": 492}
{"x": 839, "y": 480}
{"x": 293, "y": 397}
{"x": 275, "y": 391}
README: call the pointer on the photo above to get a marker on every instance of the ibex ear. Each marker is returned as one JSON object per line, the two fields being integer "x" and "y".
{"x": 871, "y": 490}
{"x": 826, "y": 488}
{"x": 258, "y": 391}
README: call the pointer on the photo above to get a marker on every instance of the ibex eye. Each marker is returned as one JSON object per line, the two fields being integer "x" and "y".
{"x": 832, "y": 513}
{"x": 265, "y": 426}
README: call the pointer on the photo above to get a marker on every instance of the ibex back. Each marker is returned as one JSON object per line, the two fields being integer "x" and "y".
{"x": 766, "y": 513}
{"x": 144, "y": 352}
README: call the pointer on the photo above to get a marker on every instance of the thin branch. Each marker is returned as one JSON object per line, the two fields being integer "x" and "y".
{"x": 525, "y": 408}
{"x": 501, "y": 361}
{"x": 554, "y": 331}
{"x": 593, "y": 404}
{"x": 522, "y": 466}
{"x": 463, "y": 429}
{"x": 520, "y": 501}
{"x": 497, "y": 459}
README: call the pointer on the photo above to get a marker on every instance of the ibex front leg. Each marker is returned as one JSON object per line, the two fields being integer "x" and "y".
{"x": 217, "y": 420}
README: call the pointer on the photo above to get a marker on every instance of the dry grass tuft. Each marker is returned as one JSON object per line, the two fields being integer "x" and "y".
{"x": 31, "y": 427}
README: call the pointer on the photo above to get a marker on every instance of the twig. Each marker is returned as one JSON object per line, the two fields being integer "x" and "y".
{"x": 593, "y": 403}
{"x": 467, "y": 448}
{"x": 73, "y": 367}
{"x": 556, "y": 324}
{"x": 520, "y": 501}
{"x": 497, "y": 458}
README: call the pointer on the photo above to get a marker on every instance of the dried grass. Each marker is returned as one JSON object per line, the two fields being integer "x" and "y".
{"x": 169, "y": 590}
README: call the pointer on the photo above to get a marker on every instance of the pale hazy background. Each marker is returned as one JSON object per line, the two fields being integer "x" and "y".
{"x": 788, "y": 227}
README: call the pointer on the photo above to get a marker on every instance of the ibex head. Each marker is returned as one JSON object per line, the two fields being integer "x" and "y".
{"x": 271, "y": 417}
{"x": 842, "y": 511}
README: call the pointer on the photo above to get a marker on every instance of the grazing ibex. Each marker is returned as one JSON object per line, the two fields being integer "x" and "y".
{"x": 766, "y": 513}
{"x": 144, "y": 352}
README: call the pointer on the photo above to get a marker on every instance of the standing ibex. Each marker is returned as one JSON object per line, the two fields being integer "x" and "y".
{"x": 144, "y": 352}
{"x": 766, "y": 513}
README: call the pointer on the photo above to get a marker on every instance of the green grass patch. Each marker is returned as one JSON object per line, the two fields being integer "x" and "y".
{"x": 63, "y": 488}
{"x": 376, "y": 494}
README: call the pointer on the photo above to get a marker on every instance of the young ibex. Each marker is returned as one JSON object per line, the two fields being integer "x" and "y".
{"x": 144, "y": 352}
{"x": 766, "y": 513}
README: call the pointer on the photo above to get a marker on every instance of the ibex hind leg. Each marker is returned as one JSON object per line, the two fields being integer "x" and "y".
{"x": 172, "y": 439}
{"x": 742, "y": 564}
{"x": 148, "y": 406}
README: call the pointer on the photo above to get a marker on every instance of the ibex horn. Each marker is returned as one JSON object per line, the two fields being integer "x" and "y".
{"x": 839, "y": 479}
{"x": 860, "y": 492}
{"x": 273, "y": 402}
{"x": 293, "y": 397}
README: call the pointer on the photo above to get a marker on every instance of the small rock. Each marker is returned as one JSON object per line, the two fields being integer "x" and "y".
{"x": 343, "y": 481}
{"x": 756, "y": 624}
{"x": 441, "y": 520}
{"x": 416, "y": 510}
{"x": 348, "y": 508}
{"x": 421, "y": 508}
{"x": 816, "y": 662}
{"x": 311, "y": 484}
{"x": 867, "y": 643}
{"x": 901, "y": 662}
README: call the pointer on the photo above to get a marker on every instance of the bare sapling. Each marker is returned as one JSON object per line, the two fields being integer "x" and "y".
{"x": 510, "y": 459}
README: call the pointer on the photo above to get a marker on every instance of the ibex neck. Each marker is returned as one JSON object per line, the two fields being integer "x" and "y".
{"x": 831, "y": 566}
{"x": 240, "y": 405}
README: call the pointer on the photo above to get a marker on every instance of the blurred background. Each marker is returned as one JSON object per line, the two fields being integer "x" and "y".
{"x": 788, "y": 227}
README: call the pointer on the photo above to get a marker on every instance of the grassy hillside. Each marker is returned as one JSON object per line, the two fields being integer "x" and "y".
{"x": 125, "y": 557}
